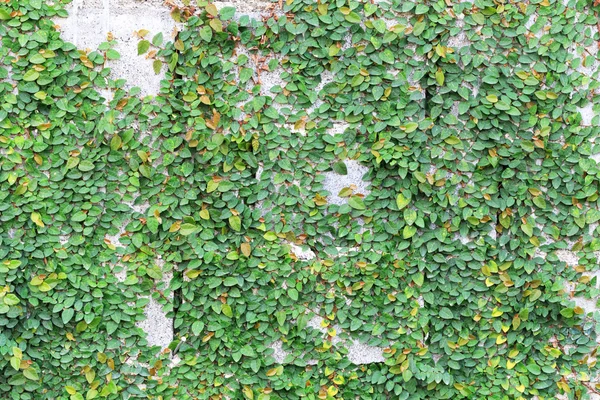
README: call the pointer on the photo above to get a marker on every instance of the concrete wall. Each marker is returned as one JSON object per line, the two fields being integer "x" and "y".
{"x": 89, "y": 24}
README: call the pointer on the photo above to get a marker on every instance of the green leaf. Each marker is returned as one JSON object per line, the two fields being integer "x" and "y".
{"x": 387, "y": 56}
{"x": 156, "y": 66}
{"x": 157, "y": 40}
{"x": 31, "y": 374}
{"x": 152, "y": 224}
{"x": 418, "y": 279}
{"x": 11, "y": 300}
{"x": 216, "y": 24}
{"x": 534, "y": 369}
{"x": 15, "y": 363}
{"x": 37, "y": 219}
{"x": 357, "y": 203}
{"x": 402, "y": 201}
{"x": 115, "y": 142}
{"x": 230, "y": 281}
{"x": 439, "y": 77}
{"x": 227, "y": 13}
{"x": 4, "y": 14}
{"x": 112, "y": 54}
{"x": 37, "y": 59}
{"x": 340, "y": 168}
{"x": 197, "y": 327}
{"x": 539, "y": 202}
{"x": 478, "y": 18}
{"x": 31, "y": 75}
{"x": 142, "y": 47}
{"x": 235, "y": 223}
{"x": 67, "y": 314}
{"x": 145, "y": 170}
{"x": 86, "y": 165}
{"x": 528, "y": 229}
{"x": 72, "y": 162}
{"x": 187, "y": 229}
{"x": 173, "y": 61}
{"x": 446, "y": 313}
{"x": 270, "y": 236}
{"x": 410, "y": 127}
{"x": 353, "y": 18}
{"x": 293, "y": 293}
{"x": 409, "y": 231}
{"x": 227, "y": 311}
{"x": 206, "y": 33}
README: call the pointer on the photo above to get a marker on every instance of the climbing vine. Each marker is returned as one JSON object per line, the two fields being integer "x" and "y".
{"x": 470, "y": 120}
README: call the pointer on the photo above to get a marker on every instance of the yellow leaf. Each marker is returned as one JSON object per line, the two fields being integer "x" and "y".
{"x": 248, "y": 393}
{"x": 90, "y": 375}
{"x": 175, "y": 227}
{"x": 439, "y": 76}
{"x": 71, "y": 390}
{"x": 37, "y": 219}
{"x": 520, "y": 388}
{"x": 246, "y": 249}
{"x": 216, "y": 24}
{"x": 332, "y": 391}
{"x": 492, "y": 98}
{"x": 212, "y": 10}
{"x": 205, "y": 214}
{"x": 441, "y": 51}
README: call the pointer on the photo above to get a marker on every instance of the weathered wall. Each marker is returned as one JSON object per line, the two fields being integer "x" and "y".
{"x": 89, "y": 24}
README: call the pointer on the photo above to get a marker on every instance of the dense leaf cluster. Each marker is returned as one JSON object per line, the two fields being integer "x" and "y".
{"x": 467, "y": 116}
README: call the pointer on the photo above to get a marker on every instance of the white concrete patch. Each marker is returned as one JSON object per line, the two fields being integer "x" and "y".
{"x": 358, "y": 353}
{"x": 137, "y": 70}
{"x": 458, "y": 41}
{"x": 270, "y": 79}
{"x": 587, "y": 114}
{"x": 90, "y": 21}
{"x": 301, "y": 254}
{"x": 335, "y": 182}
{"x": 121, "y": 275}
{"x": 252, "y": 8}
{"x": 568, "y": 257}
{"x": 278, "y": 353}
{"x": 138, "y": 208}
{"x": 158, "y": 328}
{"x": 339, "y": 127}
{"x": 588, "y": 305}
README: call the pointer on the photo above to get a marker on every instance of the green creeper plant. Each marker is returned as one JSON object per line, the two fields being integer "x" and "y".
{"x": 468, "y": 118}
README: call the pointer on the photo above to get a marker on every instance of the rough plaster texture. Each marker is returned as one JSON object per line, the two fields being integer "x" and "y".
{"x": 89, "y": 24}
{"x": 335, "y": 182}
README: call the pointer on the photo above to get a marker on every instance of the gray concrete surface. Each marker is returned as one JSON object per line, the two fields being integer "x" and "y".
{"x": 335, "y": 182}
{"x": 90, "y": 22}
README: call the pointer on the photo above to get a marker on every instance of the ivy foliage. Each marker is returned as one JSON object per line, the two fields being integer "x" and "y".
{"x": 467, "y": 116}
